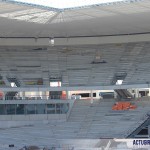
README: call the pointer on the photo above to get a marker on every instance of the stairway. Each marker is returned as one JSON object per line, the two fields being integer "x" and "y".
{"x": 124, "y": 94}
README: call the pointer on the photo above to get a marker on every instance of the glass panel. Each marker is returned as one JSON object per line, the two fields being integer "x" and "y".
{"x": 30, "y": 109}
{"x": 59, "y": 108}
{"x": 34, "y": 109}
{"x": 62, "y": 108}
{"x": 2, "y": 109}
{"x": 54, "y": 97}
{"x": 65, "y": 108}
{"x": 50, "y": 108}
{"x": 40, "y": 109}
{"x": 20, "y": 109}
{"x": 11, "y": 109}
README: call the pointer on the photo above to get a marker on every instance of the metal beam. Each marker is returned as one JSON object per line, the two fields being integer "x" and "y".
{"x": 56, "y": 101}
{"x": 75, "y": 40}
{"x": 103, "y": 40}
{"x": 75, "y": 88}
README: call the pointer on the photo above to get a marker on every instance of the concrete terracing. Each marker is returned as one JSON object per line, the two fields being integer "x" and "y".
{"x": 99, "y": 121}
{"x": 86, "y": 121}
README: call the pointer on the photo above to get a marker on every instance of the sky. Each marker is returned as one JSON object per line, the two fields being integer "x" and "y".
{"x": 61, "y": 4}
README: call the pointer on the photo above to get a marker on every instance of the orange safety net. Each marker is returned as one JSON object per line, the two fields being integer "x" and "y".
{"x": 123, "y": 106}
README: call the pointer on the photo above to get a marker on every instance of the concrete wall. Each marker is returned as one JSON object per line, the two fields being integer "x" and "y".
{"x": 8, "y": 121}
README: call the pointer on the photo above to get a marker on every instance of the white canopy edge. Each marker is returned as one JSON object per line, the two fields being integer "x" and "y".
{"x": 75, "y": 40}
{"x": 76, "y": 88}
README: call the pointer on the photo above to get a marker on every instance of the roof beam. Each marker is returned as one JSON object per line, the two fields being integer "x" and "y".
{"x": 75, "y": 88}
{"x": 75, "y": 40}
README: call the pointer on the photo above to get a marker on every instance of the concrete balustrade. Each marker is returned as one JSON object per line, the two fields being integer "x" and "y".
{"x": 33, "y": 111}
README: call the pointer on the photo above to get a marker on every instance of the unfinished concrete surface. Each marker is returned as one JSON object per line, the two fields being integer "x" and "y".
{"x": 86, "y": 121}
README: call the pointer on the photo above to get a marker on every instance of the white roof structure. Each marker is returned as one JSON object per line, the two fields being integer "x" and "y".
{"x": 65, "y": 4}
{"x": 119, "y": 43}
{"x": 32, "y": 21}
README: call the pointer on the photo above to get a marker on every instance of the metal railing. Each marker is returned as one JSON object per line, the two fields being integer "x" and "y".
{"x": 37, "y": 97}
{"x": 27, "y": 109}
{"x": 135, "y": 126}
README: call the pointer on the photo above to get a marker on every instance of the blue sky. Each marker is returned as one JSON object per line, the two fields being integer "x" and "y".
{"x": 66, "y": 3}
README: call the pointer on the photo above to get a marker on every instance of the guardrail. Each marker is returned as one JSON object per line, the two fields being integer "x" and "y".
{"x": 24, "y": 107}
{"x": 135, "y": 126}
{"x": 37, "y": 97}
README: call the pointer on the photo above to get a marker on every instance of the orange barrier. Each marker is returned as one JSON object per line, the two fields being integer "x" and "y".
{"x": 123, "y": 106}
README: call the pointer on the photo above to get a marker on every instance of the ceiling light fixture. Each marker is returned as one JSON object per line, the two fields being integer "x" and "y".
{"x": 51, "y": 41}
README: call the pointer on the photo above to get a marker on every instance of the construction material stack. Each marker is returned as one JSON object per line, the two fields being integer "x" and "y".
{"x": 123, "y": 106}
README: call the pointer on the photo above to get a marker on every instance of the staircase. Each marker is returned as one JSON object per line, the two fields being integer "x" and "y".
{"x": 124, "y": 94}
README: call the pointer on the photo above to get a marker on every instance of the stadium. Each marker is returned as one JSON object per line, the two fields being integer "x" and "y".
{"x": 74, "y": 74}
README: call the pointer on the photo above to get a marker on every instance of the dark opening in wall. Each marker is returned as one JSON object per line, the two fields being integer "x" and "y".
{"x": 144, "y": 93}
{"x": 143, "y": 132}
{"x": 94, "y": 94}
{"x": 85, "y": 94}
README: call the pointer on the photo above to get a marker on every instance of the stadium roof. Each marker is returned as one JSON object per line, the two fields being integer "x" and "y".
{"x": 66, "y": 3}
{"x": 19, "y": 20}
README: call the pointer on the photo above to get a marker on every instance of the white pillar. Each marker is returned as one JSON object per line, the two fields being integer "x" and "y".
{"x": 4, "y": 93}
{"x": 22, "y": 94}
{"x": 136, "y": 93}
{"x": 97, "y": 95}
{"x": 91, "y": 97}
{"x": 44, "y": 96}
{"x": 68, "y": 95}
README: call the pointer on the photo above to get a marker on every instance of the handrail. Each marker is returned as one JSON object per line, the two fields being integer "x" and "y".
{"x": 12, "y": 107}
{"x": 70, "y": 107}
{"x": 57, "y": 101}
{"x": 136, "y": 125}
{"x": 35, "y": 97}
